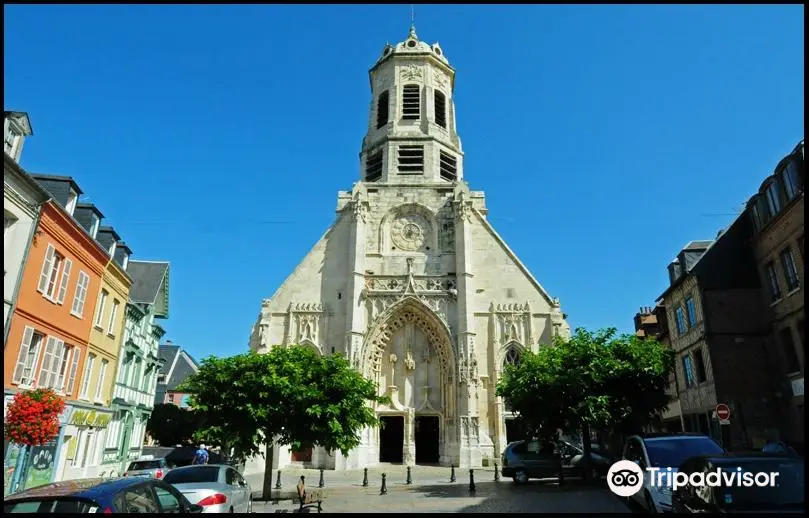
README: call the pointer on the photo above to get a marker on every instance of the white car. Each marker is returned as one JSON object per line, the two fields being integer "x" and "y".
{"x": 664, "y": 451}
{"x": 218, "y": 488}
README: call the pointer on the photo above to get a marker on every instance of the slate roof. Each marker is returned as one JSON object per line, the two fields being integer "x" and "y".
{"x": 147, "y": 277}
{"x": 178, "y": 366}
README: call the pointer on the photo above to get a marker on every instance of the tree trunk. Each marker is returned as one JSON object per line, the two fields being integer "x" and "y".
{"x": 267, "y": 486}
{"x": 587, "y": 447}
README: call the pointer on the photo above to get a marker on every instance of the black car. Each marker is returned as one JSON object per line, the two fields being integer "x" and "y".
{"x": 786, "y": 495}
{"x": 97, "y": 495}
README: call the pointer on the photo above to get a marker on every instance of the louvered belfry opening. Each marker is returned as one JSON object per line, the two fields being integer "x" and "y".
{"x": 449, "y": 167}
{"x": 382, "y": 109}
{"x": 411, "y": 102}
{"x": 411, "y": 159}
{"x": 373, "y": 166}
{"x": 440, "y": 109}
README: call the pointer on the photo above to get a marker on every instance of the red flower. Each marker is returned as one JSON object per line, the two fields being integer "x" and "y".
{"x": 33, "y": 417}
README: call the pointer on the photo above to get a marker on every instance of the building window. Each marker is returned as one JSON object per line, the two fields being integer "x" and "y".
{"x": 699, "y": 363}
{"x": 512, "y": 356}
{"x": 10, "y": 140}
{"x": 688, "y": 369}
{"x": 440, "y": 109}
{"x": 72, "y": 199}
{"x": 49, "y": 277}
{"x": 102, "y": 376}
{"x": 691, "y": 309}
{"x": 449, "y": 167}
{"x": 772, "y": 279}
{"x": 64, "y": 367}
{"x": 791, "y": 361}
{"x": 790, "y": 272}
{"x": 411, "y": 102}
{"x": 382, "y": 109}
{"x": 113, "y": 317}
{"x": 682, "y": 327}
{"x": 81, "y": 294}
{"x": 411, "y": 159}
{"x": 30, "y": 348}
{"x": 755, "y": 214}
{"x": 373, "y": 167}
{"x": 88, "y": 370}
{"x": 94, "y": 226}
{"x": 102, "y": 301}
{"x": 789, "y": 175}
{"x": 773, "y": 200}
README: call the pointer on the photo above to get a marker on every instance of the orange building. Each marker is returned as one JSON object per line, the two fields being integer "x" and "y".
{"x": 50, "y": 328}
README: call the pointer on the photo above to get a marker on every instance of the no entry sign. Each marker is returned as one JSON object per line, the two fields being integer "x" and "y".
{"x": 722, "y": 412}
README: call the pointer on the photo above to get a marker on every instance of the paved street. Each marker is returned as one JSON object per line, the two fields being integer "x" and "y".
{"x": 431, "y": 491}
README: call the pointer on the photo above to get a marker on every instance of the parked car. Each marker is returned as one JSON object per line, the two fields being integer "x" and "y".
{"x": 147, "y": 467}
{"x": 218, "y": 488}
{"x": 786, "y": 496}
{"x": 664, "y": 451}
{"x": 97, "y": 495}
{"x": 779, "y": 447}
{"x": 523, "y": 460}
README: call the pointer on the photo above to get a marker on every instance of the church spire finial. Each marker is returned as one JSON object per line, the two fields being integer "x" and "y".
{"x": 412, "y": 34}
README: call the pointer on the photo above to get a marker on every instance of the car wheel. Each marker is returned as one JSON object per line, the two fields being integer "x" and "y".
{"x": 520, "y": 477}
{"x": 650, "y": 505}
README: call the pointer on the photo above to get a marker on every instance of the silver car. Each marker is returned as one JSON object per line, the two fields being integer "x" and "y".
{"x": 147, "y": 467}
{"x": 218, "y": 488}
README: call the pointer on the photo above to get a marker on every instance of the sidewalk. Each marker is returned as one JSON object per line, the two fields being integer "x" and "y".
{"x": 396, "y": 476}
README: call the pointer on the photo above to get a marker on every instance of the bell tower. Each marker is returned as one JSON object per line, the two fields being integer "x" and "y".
{"x": 412, "y": 137}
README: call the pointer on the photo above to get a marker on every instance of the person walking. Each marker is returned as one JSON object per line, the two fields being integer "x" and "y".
{"x": 201, "y": 455}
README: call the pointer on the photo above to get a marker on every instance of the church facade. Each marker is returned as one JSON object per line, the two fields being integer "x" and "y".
{"x": 413, "y": 284}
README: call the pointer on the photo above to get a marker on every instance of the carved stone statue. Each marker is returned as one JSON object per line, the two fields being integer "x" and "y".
{"x": 409, "y": 362}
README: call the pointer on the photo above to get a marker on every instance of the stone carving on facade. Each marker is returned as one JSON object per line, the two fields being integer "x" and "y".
{"x": 464, "y": 210}
{"x": 411, "y": 73}
{"x": 306, "y": 324}
{"x": 410, "y": 363}
{"x": 440, "y": 81}
{"x": 512, "y": 323}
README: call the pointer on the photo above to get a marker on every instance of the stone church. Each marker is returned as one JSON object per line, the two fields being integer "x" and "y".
{"x": 413, "y": 284}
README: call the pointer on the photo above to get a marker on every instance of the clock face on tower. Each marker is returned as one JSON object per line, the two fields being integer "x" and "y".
{"x": 408, "y": 232}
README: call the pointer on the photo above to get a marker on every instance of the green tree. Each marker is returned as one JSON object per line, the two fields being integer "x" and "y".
{"x": 593, "y": 380}
{"x": 170, "y": 425}
{"x": 290, "y": 396}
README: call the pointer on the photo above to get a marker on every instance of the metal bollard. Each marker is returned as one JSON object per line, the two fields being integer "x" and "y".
{"x": 322, "y": 482}
{"x": 409, "y": 478}
{"x": 496, "y": 472}
{"x": 365, "y": 477}
{"x": 452, "y": 474}
{"x": 278, "y": 480}
{"x": 384, "y": 490}
{"x": 471, "y": 480}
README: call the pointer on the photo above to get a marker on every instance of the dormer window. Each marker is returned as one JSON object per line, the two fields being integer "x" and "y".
{"x": 72, "y": 199}
{"x": 382, "y": 109}
{"x": 790, "y": 177}
{"x": 94, "y": 224}
{"x": 411, "y": 102}
{"x": 773, "y": 200}
{"x": 125, "y": 261}
{"x": 111, "y": 250}
{"x": 440, "y": 109}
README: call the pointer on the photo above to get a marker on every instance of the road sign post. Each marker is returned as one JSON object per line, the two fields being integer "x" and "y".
{"x": 723, "y": 413}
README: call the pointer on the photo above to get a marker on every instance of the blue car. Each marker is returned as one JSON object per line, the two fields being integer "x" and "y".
{"x": 101, "y": 495}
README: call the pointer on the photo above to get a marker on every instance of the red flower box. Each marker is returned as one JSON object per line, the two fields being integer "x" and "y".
{"x": 33, "y": 417}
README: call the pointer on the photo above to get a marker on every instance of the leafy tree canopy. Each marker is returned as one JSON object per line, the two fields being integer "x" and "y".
{"x": 170, "y": 425}
{"x": 592, "y": 380}
{"x": 290, "y": 394}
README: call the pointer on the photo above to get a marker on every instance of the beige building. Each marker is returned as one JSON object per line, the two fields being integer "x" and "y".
{"x": 777, "y": 213}
{"x": 413, "y": 284}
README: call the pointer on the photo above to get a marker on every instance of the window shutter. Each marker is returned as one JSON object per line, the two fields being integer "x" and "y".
{"x": 47, "y": 360}
{"x": 25, "y": 346}
{"x": 46, "y": 269}
{"x": 65, "y": 277}
{"x": 64, "y": 356}
{"x": 71, "y": 382}
{"x": 81, "y": 294}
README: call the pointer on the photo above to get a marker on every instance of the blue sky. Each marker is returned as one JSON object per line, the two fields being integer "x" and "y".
{"x": 217, "y": 137}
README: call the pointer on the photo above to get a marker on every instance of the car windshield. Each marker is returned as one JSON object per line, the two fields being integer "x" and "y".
{"x": 201, "y": 474}
{"x": 50, "y": 505}
{"x": 788, "y": 491}
{"x": 144, "y": 464}
{"x": 672, "y": 452}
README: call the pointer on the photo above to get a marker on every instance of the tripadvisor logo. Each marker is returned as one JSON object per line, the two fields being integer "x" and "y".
{"x": 625, "y": 478}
